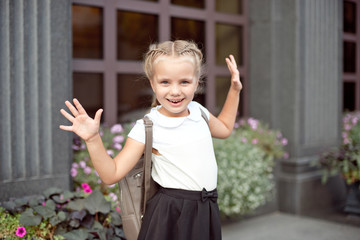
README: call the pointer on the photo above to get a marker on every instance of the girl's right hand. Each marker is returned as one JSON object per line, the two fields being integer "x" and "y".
{"x": 83, "y": 125}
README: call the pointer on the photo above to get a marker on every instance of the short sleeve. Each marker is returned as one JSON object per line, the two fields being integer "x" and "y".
{"x": 138, "y": 131}
{"x": 207, "y": 113}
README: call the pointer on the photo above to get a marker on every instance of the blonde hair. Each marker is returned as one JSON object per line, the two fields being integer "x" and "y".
{"x": 175, "y": 48}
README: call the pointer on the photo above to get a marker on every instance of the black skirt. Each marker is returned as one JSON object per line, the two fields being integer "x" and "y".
{"x": 174, "y": 214}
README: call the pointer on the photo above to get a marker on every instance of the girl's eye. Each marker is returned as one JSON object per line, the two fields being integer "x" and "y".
{"x": 164, "y": 82}
{"x": 185, "y": 82}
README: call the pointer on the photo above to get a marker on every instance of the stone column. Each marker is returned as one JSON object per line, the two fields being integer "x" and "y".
{"x": 295, "y": 86}
{"x": 35, "y": 79}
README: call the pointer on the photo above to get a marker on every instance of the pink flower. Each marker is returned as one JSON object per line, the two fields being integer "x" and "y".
{"x": 117, "y": 128}
{"x": 118, "y": 139}
{"x": 344, "y": 134}
{"x": 284, "y": 141}
{"x": 254, "y": 141}
{"x": 118, "y": 209}
{"x": 110, "y": 152}
{"x": 75, "y": 147}
{"x": 85, "y": 186}
{"x": 347, "y": 127}
{"x": 20, "y": 232}
{"x": 87, "y": 170}
{"x": 43, "y": 203}
{"x": 286, "y": 155}
{"x": 75, "y": 165}
{"x": 82, "y": 164}
{"x": 117, "y": 146}
{"x": 253, "y": 123}
{"x": 346, "y": 141}
{"x": 73, "y": 172}
{"x": 236, "y": 125}
{"x": 244, "y": 140}
{"x": 87, "y": 190}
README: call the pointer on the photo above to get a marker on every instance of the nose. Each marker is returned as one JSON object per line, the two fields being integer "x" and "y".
{"x": 175, "y": 90}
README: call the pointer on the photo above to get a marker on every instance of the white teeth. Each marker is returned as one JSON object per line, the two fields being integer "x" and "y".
{"x": 174, "y": 101}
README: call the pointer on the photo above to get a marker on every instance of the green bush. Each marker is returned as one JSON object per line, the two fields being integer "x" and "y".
{"x": 245, "y": 162}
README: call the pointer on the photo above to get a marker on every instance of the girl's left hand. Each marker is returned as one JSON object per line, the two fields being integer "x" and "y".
{"x": 235, "y": 75}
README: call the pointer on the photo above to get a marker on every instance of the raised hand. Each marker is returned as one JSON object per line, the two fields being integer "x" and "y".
{"x": 235, "y": 75}
{"x": 83, "y": 125}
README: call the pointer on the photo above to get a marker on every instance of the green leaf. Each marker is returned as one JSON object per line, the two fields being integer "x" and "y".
{"x": 79, "y": 234}
{"x": 45, "y": 211}
{"x": 115, "y": 218}
{"x": 55, "y": 220}
{"x": 97, "y": 225}
{"x": 10, "y": 206}
{"x": 52, "y": 191}
{"x": 76, "y": 205}
{"x": 96, "y": 203}
{"x": 28, "y": 218}
{"x": 20, "y": 202}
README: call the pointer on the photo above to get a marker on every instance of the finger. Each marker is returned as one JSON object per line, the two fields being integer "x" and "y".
{"x": 72, "y": 109}
{"x": 79, "y": 106}
{"x": 67, "y": 115}
{"x": 66, "y": 128}
{"x": 98, "y": 115}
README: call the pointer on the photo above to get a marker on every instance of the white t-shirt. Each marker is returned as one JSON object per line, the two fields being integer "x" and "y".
{"x": 187, "y": 160}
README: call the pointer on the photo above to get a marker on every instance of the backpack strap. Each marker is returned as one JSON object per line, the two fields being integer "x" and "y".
{"x": 203, "y": 114}
{"x": 147, "y": 160}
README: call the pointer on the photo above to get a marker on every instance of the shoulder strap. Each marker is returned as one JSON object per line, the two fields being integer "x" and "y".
{"x": 147, "y": 160}
{"x": 203, "y": 114}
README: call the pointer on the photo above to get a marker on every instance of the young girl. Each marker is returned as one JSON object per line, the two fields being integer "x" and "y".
{"x": 184, "y": 163}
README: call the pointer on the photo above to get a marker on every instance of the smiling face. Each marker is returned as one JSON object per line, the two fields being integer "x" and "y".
{"x": 174, "y": 83}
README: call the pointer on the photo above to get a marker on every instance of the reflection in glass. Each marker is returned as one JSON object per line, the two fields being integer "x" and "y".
{"x": 187, "y": 29}
{"x": 349, "y": 96}
{"x": 349, "y": 17}
{"x": 88, "y": 89}
{"x": 135, "y": 31}
{"x": 349, "y": 57}
{"x": 190, "y": 3}
{"x": 87, "y": 29}
{"x": 134, "y": 97}
{"x": 234, "y": 7}
{"x": 229, "y": 40}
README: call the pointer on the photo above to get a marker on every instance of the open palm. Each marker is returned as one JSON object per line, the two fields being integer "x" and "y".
{"x": 83, "y": 125}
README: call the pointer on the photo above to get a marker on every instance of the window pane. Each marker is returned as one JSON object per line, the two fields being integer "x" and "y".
{"x": 349, "y": 17}
{"x": 87, "y": 28}
{"x": 187, "y": 29}
{"x": 190, "y": 3}
{"x": 349, "y": 57}
{"x": 235, "y": 7}
{"x": 222, "y": 84}
{"x": 200, "y": 93}
{"x": 135, "y": 31}
{"x": 134, "y": 97}
{"x": 229, "y": 40}
{"x": 349, "y": 96}
{"x": 88, "y": 89}
{"x": 222, "y": 88}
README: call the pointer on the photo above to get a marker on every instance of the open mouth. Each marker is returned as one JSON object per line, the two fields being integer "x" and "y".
{"x": 175, "y": 101}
